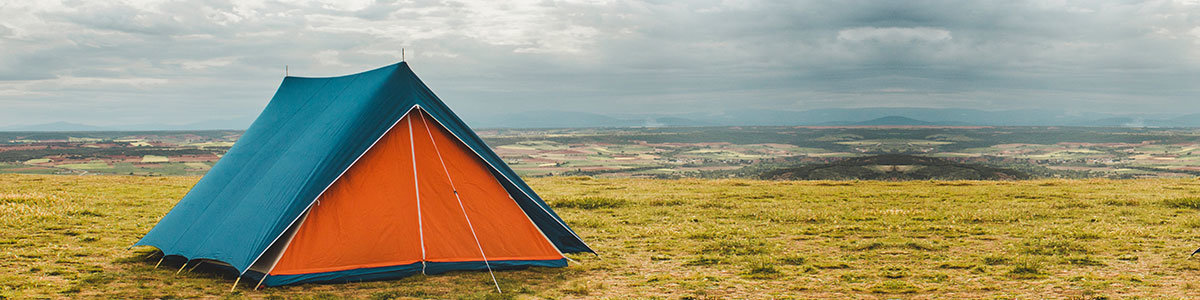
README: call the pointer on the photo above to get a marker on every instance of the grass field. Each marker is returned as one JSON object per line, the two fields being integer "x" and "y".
{"x": 66, "y": 237}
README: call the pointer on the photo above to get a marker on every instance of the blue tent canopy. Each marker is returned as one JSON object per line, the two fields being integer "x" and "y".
{"x": 310, "y": 133}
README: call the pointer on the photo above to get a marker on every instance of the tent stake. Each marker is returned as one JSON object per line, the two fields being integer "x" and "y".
{"x": 160, "y": 259}
{"x": 235, "y": 282}
{"x": 181, "y": 268}
{"x": 260, "y": 281}
{"x": 195, "y": 266}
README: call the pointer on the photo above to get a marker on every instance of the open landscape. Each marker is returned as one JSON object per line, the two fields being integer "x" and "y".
{"x": 673, "y": 152}
{"x": 67, "y": 237}
{"x": 378, "y": 149}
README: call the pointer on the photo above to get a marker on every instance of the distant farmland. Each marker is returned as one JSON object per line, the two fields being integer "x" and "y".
{"x": 674, "y": 152}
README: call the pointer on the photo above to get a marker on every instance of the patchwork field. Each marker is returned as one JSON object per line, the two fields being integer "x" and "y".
{"x": 671, "y": 152}
{"x": 66, "y": 237}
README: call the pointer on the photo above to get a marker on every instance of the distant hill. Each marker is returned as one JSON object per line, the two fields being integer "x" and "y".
{"x": 893, "y": 120}
{"x": 566, "y": 119}
{"x": 55, "y": 126}
{"x": 879, "y": 116}
{"x": 1191, "y": 120}
{"x": 223, "y": 124}
{"x": 894, "y": 167}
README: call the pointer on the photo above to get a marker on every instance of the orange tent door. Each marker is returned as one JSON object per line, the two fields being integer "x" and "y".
{"x": 417, "y": 195}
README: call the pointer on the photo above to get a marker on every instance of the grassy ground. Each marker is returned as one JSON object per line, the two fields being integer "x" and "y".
{"x": 66, "y": 237}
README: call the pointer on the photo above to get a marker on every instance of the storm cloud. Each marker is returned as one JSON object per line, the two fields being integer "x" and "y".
{"x": 123, "y": 62}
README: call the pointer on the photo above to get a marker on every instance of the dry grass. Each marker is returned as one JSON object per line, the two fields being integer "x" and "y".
{"x": 66, "y": 237}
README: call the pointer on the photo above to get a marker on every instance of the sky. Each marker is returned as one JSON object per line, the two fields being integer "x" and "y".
{"x": 152, "y": 62}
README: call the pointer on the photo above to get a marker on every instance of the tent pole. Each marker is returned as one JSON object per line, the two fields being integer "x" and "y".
{"x": 420, "y": 224}
{"x": 459, "y": 198}
{"x": 160, "y": 259}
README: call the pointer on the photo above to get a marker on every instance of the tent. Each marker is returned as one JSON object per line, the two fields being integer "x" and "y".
{"x": 360, "y": 177}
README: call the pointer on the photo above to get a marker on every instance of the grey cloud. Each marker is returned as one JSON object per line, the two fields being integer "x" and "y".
{"x": 213, "y": 59}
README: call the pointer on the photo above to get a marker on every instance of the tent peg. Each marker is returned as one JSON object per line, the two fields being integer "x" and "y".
{"x": 235, "y": 282}
{"x": 195, "y": 266}
{"x": 260, "y": 281}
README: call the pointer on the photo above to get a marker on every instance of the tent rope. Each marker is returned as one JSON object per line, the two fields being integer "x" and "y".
{"x": 460, "y": 204}
{"x": 420, "y": 226}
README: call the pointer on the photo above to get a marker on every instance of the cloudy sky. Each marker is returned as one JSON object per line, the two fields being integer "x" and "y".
{"x": 131, "y": 62}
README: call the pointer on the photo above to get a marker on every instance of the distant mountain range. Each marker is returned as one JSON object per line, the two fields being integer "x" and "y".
{"x": 226, "y": 124}
{"x": 895, "y": 121}
{"x": 818, "y": 117}
{"x": 835, "y": 117}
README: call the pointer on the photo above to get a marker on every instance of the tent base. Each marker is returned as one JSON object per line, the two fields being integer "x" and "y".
{"x": 394, "y": 272}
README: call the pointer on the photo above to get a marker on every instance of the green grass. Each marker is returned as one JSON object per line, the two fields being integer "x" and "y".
{"x": 93, "y": 165}
{"x": 66, "y": 237}
{"x": 37, "y": 161}
{"x": 155, "y": 159}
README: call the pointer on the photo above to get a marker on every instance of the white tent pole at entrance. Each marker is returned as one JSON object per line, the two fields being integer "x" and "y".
{"x": 420, "y": 226}
{"x": 456, "y": 196}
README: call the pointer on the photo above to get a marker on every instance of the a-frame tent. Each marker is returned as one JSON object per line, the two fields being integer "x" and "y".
{"x": 361, "y": 177}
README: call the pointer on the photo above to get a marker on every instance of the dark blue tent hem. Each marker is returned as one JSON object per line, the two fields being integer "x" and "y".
{"x": 401, "y": 271}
